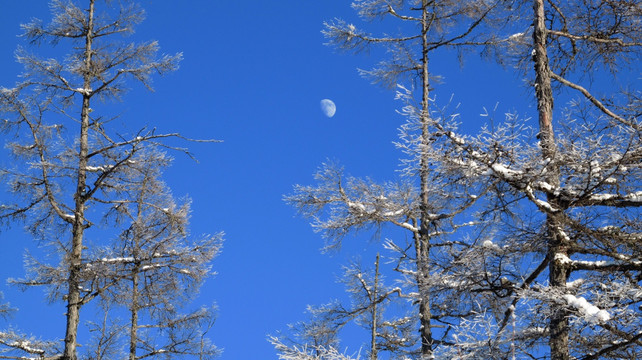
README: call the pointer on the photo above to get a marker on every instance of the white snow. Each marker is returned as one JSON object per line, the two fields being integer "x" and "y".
{"x": 98, "y": 168}
{"x": 393, "y": 213}
{"x": 540, "y": 203}
{"x": 84, "y": 91}
{"x": 26, "y": 346}
{"x": 636, "y": 196}
{"x": 409, "y": 227}
{"x": 505, "y": 172}
{"x": 534, "y": 330}
{"x": 490, "y": 245}
{"x": 575, "y": 283}
{"x": 546, "y": 186}
{"x": 516, "y": 36}
{"x": 562, "y": 259}
{"x": 563, "y": 234}
{"x": 117, "y": 260}
{"x": 610, "y": 180}
{"x": 68, "y": 216}
{"x": 589, "y": 312}
{"x": 356, "y": 206}
{"x": 603, "y": 197}
{"x": 455, "y": 138}
{"x": 601, "y": 263}
{"x": 149, "y": 267}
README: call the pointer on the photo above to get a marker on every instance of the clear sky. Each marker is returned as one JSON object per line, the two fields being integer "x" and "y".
{"x": 253, "y": 75}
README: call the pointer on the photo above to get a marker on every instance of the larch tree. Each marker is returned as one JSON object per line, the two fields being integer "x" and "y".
{"x": 571, "y": 199}
{"x": 73, "y": 166}
{"x": 432, "y": 198}
{"x": 159, "y": 269}
{"x": 370, "y": 300}
{"x": 554, "y": 264}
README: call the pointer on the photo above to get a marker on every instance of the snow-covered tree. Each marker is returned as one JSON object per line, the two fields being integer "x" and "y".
{"x": 159, "y": 269}
{"x": 431, "y": 199}
{"x": 292, "y": 352}
{"x": 73, "y": 166}
{"x": 568, "y": 250}
{"x": 550, "y": 262}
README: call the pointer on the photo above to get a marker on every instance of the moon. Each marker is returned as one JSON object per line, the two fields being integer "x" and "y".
{"x": 328, "y": 107}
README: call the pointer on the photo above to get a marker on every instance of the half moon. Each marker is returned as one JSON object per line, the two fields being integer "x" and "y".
{"x": 328, "y": 107}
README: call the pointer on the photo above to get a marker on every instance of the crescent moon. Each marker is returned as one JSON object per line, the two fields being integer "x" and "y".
{"x": 328, "y": 107}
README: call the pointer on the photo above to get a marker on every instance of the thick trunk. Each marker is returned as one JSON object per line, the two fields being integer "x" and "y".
{"x": 75, "y": 258}
{"x": 558, "y": 271}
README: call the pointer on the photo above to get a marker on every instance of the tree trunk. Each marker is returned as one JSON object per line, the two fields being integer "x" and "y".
{"x": 75, "y": 260}
{"x": 425, "y": 315}
{"x": 558, "y": 271}
{"x": 423, "y": 241}
{"x": 133, "y": 332}
{"x": 374, "y": 299}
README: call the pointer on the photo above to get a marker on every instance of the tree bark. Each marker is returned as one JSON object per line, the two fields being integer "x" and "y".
{"x": 423, "y": 241}
{"x": 133, "y": 331}
{"x": 75, "y": 258}
{"x": 558, "y": 271}
{"x": 374, "y": 300}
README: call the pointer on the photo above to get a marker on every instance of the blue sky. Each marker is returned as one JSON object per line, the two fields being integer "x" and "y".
{"x": 253, "y": 75}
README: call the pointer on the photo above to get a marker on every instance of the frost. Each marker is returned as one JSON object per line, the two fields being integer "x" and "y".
{"x": 589, "y": 312}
